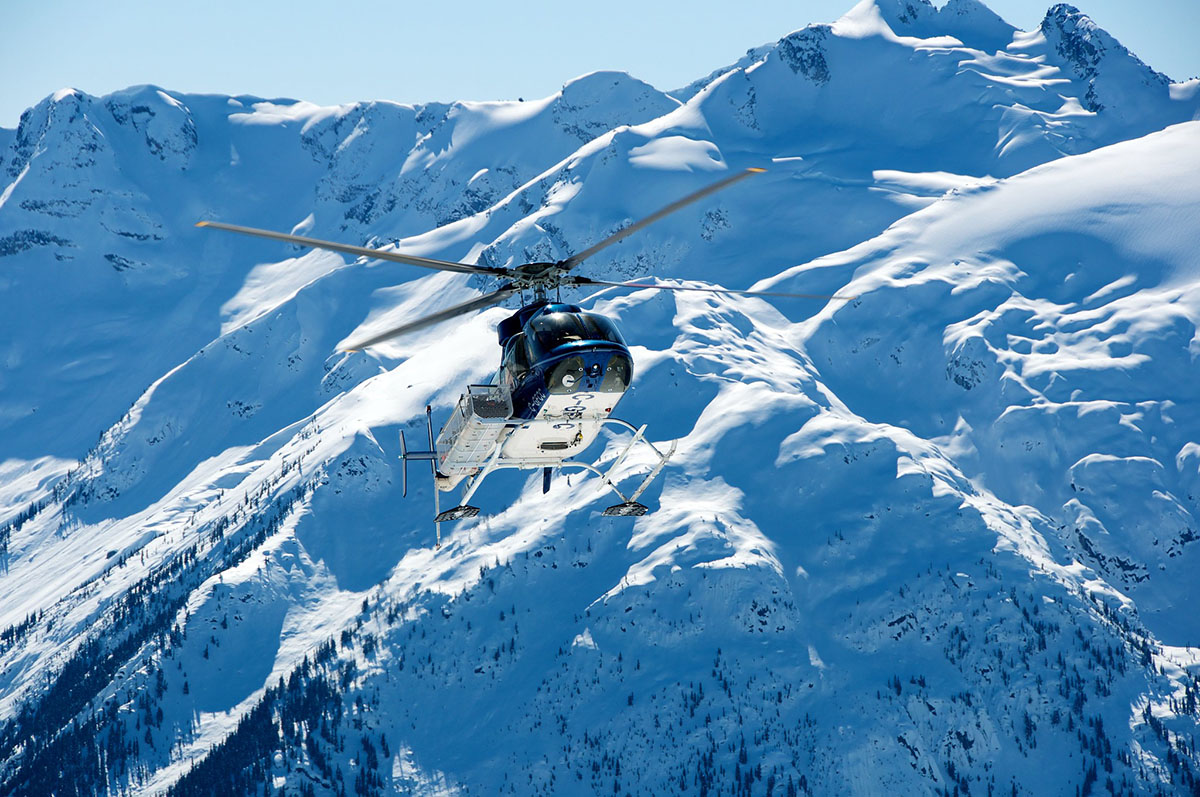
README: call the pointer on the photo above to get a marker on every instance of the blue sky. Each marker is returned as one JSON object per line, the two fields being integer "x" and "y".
{"x": 420, "y": 51}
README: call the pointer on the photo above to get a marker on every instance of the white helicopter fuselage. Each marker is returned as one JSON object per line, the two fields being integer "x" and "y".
{"x": 564, "y": 426}
{"x": 476, "y": 436}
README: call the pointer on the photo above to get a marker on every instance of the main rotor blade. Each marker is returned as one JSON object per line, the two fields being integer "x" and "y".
{"x": 589, "y": 281}
{"x": 575, "y": 260}
{"x": 359, "y": 251}
{"x": 478, "y": 303}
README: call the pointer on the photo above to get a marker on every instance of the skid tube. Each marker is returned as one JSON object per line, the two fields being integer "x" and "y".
{"x": 629, "y": 506}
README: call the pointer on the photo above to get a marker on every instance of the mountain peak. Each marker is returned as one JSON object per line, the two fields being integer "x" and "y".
{"x": 1077, "y": 38}
{"x": 872, "y": 16}
{"x": 602, "y": 79}
{"x": 610, "y": 86}
{"x": 906, "y": 12}
{"x": 593, "y": 103}
{"x": 1093, "y": 52}
{"x": 975, "y": 23}
{"x": 64, "y": 106}
{"x": 970, "y": 21}
{"x": 59, "y": 118}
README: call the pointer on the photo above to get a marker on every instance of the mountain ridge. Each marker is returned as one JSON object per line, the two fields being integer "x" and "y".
{"x": 934, "y": 539}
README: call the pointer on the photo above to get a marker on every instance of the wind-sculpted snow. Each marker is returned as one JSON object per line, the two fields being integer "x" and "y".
{"x": 937, "y": 538}
{"x": 1081, "y": 310}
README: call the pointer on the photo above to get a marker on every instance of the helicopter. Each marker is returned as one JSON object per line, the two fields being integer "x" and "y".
{"x": 562, "y": 371}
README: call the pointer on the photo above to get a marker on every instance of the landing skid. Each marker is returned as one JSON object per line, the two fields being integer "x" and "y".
{"x": 629, "y": 506}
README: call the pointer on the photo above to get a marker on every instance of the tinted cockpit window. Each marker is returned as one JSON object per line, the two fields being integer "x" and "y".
{"x": 516, "y": 359}
{"x": 600, "y": 328}
{"x": 554, "y": 329}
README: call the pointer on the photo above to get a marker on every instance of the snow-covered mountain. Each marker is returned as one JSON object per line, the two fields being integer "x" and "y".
{"x": 937, "y": 539}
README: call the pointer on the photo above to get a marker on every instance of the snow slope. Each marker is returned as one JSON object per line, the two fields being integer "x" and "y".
{"x": 937, "y": 538}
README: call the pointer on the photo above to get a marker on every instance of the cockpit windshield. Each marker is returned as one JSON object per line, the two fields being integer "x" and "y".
{"x": 600, "y": 328}
{"x": 555, "y": 329}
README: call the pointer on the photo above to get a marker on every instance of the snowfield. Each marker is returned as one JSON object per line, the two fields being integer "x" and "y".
{"x": 937, "y": 538}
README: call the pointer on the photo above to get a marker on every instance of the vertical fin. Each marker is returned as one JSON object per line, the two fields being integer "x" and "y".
{"x": 403, "y": 466}
{"x": 437, "y": 509}
{"x": 429, "y": 423}
{"x": 437, "y": 513}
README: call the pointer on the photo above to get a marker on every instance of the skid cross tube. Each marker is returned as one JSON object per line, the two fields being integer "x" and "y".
{"x": 495, "y": 461}
{"x": 639, "y": 435}
{"x": 662, "y": 462}
{"x": 603, "y": 477}
{"x": 621, "y": 457}
{"x": 630, "y": 427}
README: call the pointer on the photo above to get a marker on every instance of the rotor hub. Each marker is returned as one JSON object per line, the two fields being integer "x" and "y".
{"x": 535, "y": 276}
